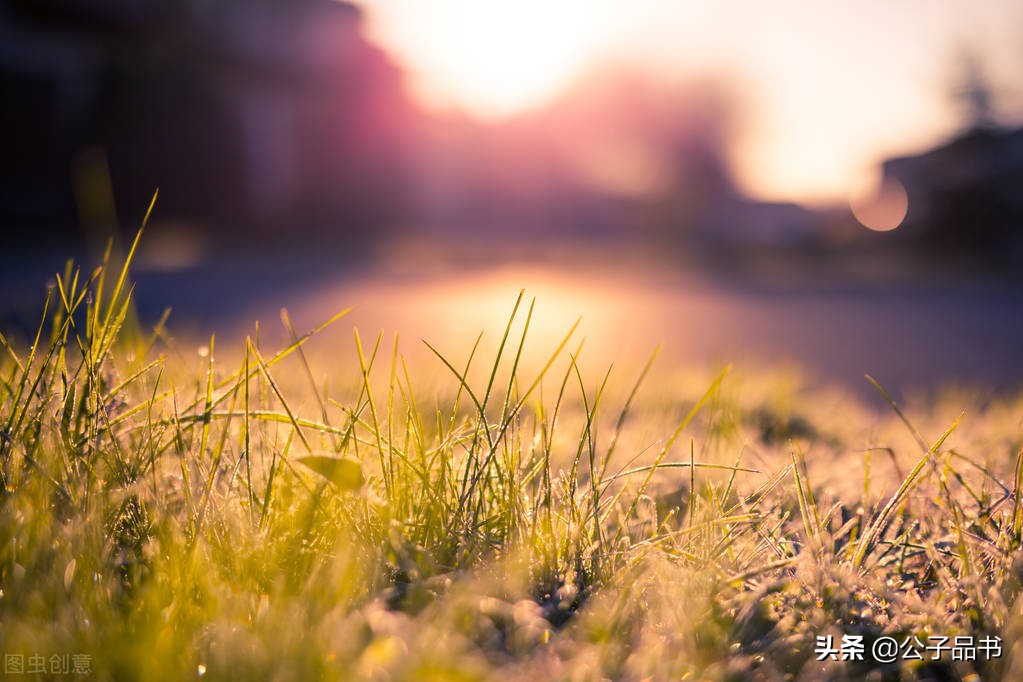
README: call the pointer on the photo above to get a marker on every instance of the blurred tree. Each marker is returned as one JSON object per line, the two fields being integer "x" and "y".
{"x": 972, "y": 92}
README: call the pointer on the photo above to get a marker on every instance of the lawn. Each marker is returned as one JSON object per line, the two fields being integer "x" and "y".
{"x": 270, "y": 513}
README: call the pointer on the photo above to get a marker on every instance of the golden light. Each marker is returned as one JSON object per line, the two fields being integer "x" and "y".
{"x": 495, "y": 59}
{"x": 880, "y": 206}
{"x": 623, "y": 167}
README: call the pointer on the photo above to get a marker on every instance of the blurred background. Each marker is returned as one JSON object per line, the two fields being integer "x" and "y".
{"x": 833, "y": 186}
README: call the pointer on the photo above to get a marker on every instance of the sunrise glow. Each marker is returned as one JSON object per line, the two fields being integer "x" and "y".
{"x": 824, "y": 94}
{"x": 494, "y": 59}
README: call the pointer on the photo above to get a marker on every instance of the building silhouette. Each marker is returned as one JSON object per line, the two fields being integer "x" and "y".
{"x": 260, "y": 117}
{"x": 965, "y": 197}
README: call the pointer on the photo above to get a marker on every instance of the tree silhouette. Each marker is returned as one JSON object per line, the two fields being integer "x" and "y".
{"x": 972, "y": 91}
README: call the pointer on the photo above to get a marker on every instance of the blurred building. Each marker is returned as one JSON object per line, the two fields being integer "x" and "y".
{"x": 965, "y": 198}
{"x": 619, "y": 156}
{"x": 260, "y": 117}
{"x": 741, "y": 223}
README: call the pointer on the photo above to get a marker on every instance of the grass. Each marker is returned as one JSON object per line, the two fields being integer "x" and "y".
{"x": 237, "y": 521}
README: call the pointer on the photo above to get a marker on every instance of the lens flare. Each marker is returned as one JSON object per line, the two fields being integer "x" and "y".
{"x": 880, "y": 207}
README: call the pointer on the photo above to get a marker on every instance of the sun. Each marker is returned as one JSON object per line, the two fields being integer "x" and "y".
{"x": 494, "y": 58}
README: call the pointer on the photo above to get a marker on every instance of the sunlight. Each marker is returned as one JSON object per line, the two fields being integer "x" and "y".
{"x": 497, "y": 59}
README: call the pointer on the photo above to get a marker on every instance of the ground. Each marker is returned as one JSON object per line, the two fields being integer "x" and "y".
{"x": 179, "y": 508}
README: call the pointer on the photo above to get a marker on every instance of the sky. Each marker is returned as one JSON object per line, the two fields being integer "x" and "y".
{"x": 828, "y": 88}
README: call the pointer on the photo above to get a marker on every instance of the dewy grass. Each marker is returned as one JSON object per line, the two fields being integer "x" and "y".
{"x": 162, "y": 523}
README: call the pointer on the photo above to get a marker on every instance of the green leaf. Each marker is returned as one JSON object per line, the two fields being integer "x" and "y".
{"x": 344, "y": 473}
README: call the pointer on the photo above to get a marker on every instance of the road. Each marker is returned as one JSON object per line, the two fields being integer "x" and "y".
{"x": 909, "y": 337}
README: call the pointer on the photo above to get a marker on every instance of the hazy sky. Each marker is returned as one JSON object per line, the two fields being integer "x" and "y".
{"x": 830, "y": 87}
